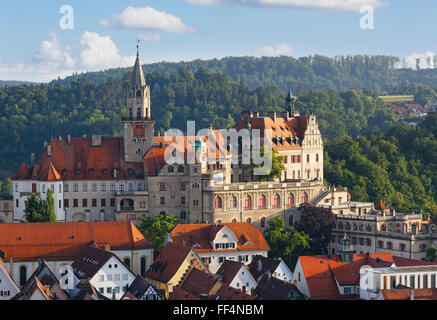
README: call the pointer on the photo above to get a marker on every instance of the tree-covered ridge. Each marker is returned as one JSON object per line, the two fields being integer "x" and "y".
{"x": 339, "y": 73}
{"x": 30, "y": 115}
{"x": 398, "y": 167}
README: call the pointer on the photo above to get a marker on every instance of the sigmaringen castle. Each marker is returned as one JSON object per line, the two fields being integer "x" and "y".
{"x": 121, "y": 178}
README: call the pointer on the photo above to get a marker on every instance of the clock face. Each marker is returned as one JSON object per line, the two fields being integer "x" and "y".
{"x": 139, "y": 131}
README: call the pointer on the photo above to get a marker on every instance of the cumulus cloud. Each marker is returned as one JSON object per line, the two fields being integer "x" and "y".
{"x": 51, "y": 60}
{"x": 281, "y": 49}
{"x": 149, "y": 19}
{"x": 426, "y": 60}
{"x": 338, "y": 5}
{"x": 151, "y": 36}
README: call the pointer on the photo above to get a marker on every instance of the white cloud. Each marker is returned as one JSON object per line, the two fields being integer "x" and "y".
{"x": 151, "y": 36}
{"x": 149, "y": 19}
{"x": 51, "y": 60}
{"x": 281, "y": 49}
{"x": 101, "y": 52}
{"x": 338, "y": 5}
{"x": 426, "y": 60}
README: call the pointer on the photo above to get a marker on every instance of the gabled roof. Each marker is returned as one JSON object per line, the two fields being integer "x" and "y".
{"x": 204, "y": 234}
{"x": 294, "y": 127}
{"x": 323, "y": 272}
{"x": 168, "y": 262}
{"x": 63, "y": 241}
{"x": 87, "y": 291}
{"x": 91, "y": 259}
{"x": 80, "y": 160}
{"x": 199, "y": 283}
{"x": 138, "y": 289}
{"x": 229, "y": 270}
{"x": 226, "y": 292}
{"x": 381, "y": 206}
{"x": 267, "y": 265}
{"x": 271, "y": 288}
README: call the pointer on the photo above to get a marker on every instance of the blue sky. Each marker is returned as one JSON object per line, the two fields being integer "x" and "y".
{"x": 35, "y": 48}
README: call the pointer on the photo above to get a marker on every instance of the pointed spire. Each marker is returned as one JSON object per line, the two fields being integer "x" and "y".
{"x": 138, "y": 79}
{"x": 290, "y": 100}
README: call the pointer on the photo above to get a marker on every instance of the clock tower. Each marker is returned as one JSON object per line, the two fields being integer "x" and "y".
{"x": 138, "y": 125}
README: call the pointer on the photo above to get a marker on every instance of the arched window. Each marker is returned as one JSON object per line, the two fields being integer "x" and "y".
{"x": 218, "y": 203}
{"x": 340, "y": 226}
{"x": 355, "y": 227}
{"x": 127, "y": 205}
{"x": 263, "y": 222}
{"x": 249, "y": 220}
{"x": 138, "y": 93}
{"x": 143, "y": 266}
{"x": 219, "y": 221}
{"x": 233, "y": 202}
{"x": 276, "y": 201}
{"x": 23, "y": 275}
{"x": 291, "y": 200}
{"x": 347, "y": 226}
{"x": 305, "y": 197}
{"x": 383, "y": 227}
{"x": 262, "y": 202}
{"x": 248, "y": 202}
{"x": 170, "y": 169}
{"x": 127, "y": 262}
{"x": 234, "y": 220}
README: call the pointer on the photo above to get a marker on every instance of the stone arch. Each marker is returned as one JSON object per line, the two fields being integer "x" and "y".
{"x": 78, "y": 217}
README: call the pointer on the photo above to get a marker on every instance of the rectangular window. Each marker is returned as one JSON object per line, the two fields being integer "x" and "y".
{"x": 101, "y": 278}
{"x": 112, "y": 187}
{"x": 52, "y": 187}
{"x": 60, "y": 204}
{"x": 75, "y": 187}
{"x": 66, "y": 187}
{"x": 85, "y": 203}
{"x": 121, "y": 187}
{"x": 162, "y": 186}
{"x": 183, "y": 200}
{"x": 125, "y": 276}
{"x": 60, "y": 188}
{"x": 113, "y": 203}
{"x": 317, "y": 157}
{"x": 109, "y": 290}
{"x": 94, "y": 203}
{"x": 43, "y": 188}
{"x": 195, "y": 203}
{"x": 75, "y": 203}
{"x": 308, "y": 158}
{"x": 103, "y": 204}
{"x": 66, "y": 204}
{"x": 109, "y": 277}
{"x": 17, "y": 203}
{"x": 131, "y": 187}
{"x": 84, "y": 188}
{"x": 103, "y": 187}
{"x": 183, "y": 186}
{"x": 162, "y": 201}
{"x": 140, "y": 187}
{"x": 143, "y": 204}
{"x": 117, "y": 277}
{"x": 94, "y": 187}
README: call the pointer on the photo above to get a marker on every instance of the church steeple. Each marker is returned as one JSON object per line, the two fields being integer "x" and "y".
{"x": 290, "y": 100}
{"x": 138, "y": 122}
{"x": 138, "y": 79}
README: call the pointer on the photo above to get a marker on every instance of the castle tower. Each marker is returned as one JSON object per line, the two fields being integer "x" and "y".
{"x": 289, "y": 101}
{"x": 138, "y": 125}
{"x": 345, "y": 250}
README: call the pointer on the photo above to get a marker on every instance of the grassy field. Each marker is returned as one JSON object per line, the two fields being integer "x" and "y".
{"x": 396, "y": 99}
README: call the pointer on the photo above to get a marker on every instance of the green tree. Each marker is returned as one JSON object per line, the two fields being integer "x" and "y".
{"x": 37, "y": 210}
{"x": 318, "y": 224}
{"x": 431, "y": 253}
{"x": 277, "y": 165}
{"x": 286, "y": 242}
{"x": 155, "y": 229}
{"x": 49, "y": 208}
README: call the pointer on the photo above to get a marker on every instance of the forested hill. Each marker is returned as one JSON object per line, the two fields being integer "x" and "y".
{"x": 340, "y": 73}
{"x": 30, "y": 115}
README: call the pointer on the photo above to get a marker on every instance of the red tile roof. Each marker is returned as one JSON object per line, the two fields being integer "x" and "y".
{"x": 294, "y": 127}
{"x": 168, "y": 262}
{"x": 249, "y": 237}
{"x": 199, "y": 283}
{"x": 381, "y": 206}
{"x": 181, "y": 294}
{"x": 229, "y": 270}
{"x": 226, "y": 292}
{"x": 404, "y": 294}
{"x": 81, "y": 160}
{"x": 63, "y": 241}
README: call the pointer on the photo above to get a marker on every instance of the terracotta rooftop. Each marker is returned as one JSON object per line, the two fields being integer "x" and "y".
{"x": 226, "y": 292}
{"x": 180, "y": 295}
{"x": 199, "y": 283}
{"x": 168, "y": 262}
{"x": 404, "y": 294}
{"x": 63, "y": 241}
{"x": 249, "y": 237}
{"x": 323, "y": 272}
{"x": 381, "y": 206}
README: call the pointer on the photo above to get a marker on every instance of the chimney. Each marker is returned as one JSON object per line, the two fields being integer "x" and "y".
{"x": 411, "y": 294}
{"x": 69, "y": 139}
{"x": 296, "y": 113}
{"x": 32, "y": 159}
{"x": 256, "y": 114}
{"x": 210, "y": 126}
{"x": 259, "y": 265}
{"x": 60, "y": 139}
{"x": 286, "y": 115}
{"x": 107, "y": 247}
{"x": 273, "y": 115}
{"x": 49, "y": 150}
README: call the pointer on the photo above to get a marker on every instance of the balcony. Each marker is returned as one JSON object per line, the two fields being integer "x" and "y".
{"x": 127, "y": 208}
